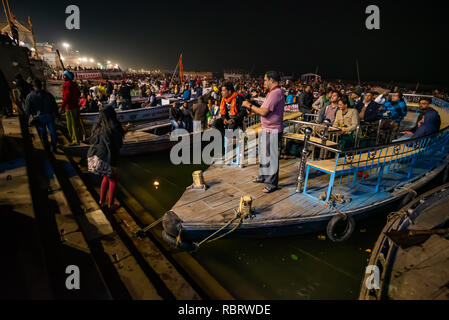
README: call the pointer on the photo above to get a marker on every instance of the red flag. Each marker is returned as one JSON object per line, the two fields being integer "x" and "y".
{"x": 29, "y": 23}
{"x": 181, "y": 68}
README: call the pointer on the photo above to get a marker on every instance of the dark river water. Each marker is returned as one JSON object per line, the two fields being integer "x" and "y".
{"x": 300, "y": 267}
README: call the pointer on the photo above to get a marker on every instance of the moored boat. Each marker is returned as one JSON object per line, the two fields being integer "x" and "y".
{"x": 345, "y": 187}
{"x": 142, "y": 139}
{"x": 410, "y": 259}
{"x": 138, "y": 114}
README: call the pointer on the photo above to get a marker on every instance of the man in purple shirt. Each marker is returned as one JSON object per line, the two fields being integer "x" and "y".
{"x": 272, "y": 114}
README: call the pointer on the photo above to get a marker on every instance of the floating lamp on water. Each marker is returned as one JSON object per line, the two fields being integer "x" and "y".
{"x": 156, "y": 184}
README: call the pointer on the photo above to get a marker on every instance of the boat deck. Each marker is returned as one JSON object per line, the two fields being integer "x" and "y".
{"x": 421, "y": 272}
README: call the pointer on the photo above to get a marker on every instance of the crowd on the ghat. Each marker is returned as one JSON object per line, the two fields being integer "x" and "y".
{"x": 343, "y": 104}
{"x": 225, "y": 105}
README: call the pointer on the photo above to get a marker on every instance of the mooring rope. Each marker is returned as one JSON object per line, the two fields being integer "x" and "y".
{"x": 155, "y": 223}
{"x": 206, "y": 240}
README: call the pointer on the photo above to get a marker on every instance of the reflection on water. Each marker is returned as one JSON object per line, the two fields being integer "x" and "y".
{"x": 301, "y": 267}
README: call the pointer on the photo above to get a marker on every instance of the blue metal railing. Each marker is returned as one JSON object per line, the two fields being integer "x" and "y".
{"x": 392, "y": 158}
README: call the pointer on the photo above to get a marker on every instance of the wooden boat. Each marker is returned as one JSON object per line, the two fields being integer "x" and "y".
{"x": 137, "y": 141}
{"x": 132, "y": 115}
{"x": 139, "y": 114}
{"x": 411, "y": 255}
{"x": 367, "y": 178}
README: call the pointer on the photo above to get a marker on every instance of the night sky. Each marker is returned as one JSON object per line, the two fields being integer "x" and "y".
{"x": 293, "y": 37}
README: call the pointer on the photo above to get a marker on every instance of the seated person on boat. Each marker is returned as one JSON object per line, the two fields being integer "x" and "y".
{"x": 187, "y": 118}
{"x": 368, "y": 109}
{"x": 329, "y": 109}
{"x": 429, "y": 122}
{"x": 355, "y": 97}
{"x": 231, "y": 110}
{"x": 175, "y": 116}
{"x": 395, "y": 111}
{"x": 214, "y": 111}
{"x": 322, "y": 102}
{"x": 347, "y": 119}
{"x": 187, "y": 93}
{"x": 151, "y": 101}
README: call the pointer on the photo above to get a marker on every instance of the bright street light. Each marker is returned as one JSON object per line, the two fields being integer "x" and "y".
{"x": 66, "y": 46}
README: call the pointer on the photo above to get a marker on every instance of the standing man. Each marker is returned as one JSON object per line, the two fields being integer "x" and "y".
{"x": 24, "y": 89}
{"x": 272, "y": 115}
{"x": 5, "y": 98}
{"x": 125, "y": 96}
{"x": 42, "y": 106}
{"x": 306, "y": 100}
{"x": 199, "y": 113}
{"x": 70, "y": 97}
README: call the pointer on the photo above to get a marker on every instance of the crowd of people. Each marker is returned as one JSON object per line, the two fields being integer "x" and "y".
{"x": 227, "y": 104}
{"x": 344, "y": 105}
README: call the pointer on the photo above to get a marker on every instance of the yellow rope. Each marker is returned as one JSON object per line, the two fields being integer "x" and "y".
{"x": 227, "y": 224}
{"x": 226, "y": 233}
{"x": 178, "y": 238}
{"x": 153, "y": 224}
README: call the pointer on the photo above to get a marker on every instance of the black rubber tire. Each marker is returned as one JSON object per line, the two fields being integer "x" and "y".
{"x": 171, "y": 223}
{"x": 183, "y": 245}
{"x": 350, "y": 226}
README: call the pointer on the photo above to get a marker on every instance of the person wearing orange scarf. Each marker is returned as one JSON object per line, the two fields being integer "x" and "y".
{"x": 232, "y": 101}
{"x": 231, "y": 111}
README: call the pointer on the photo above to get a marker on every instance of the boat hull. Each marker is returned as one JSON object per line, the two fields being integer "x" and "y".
{"x": 161, "y": 143}
{"x": 141, "y": 114}
{"x": 194, "y": 232}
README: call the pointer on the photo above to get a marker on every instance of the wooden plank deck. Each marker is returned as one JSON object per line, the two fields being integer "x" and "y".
{"x": 227, "y": 184}
{"x": 421, "y": 272}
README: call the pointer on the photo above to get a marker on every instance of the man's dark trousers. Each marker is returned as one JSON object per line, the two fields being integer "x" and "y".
{"x": 269, "y": 157}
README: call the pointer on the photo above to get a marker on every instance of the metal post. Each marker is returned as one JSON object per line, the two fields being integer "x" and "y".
{"x": 378, "y": 132}
{"x": 303, "y": 161}
{"x": 241, "y": 148}
{"x": 357, "y": 133}
{"x": 324, "y": 138}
